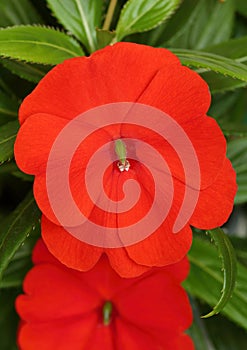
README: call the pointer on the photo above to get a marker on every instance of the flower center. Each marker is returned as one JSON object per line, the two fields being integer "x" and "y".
{"x": 107, "y": 313}
{"x": 120, "y": 149}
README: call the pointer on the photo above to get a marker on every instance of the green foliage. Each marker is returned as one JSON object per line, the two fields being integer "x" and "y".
{"x": 229, "y": 261}
{"x": 15, "y": 229}
{"x": 8, "y": 106}
{"x": 241, "y": 7}
{"x": 209, "y": 22}
{"x": 37, "y": 45}
{"x": 237, "y": 153}
{"x": 80, "y": 17}
{"x": 139, "y": 15}
{"x": 7, "y": 138}
{"x": 215, "y": 333}
{"x": 18, "y": 12}
{"x": 212, "y": 62}
{"x": 8, "y": 319}
{"x": 205, "y": 281}
{"x": 28, "y": 71}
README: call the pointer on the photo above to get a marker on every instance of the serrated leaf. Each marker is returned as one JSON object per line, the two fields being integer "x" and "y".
{"x": 229, "y": 267}
{"x": 31, "y": 72}
{"x": 18, "y": 12}
{"x": 206, "y": 279}
{"x": 15, "y": 229}
{"x": 8, "y": 134}
{"x": 8, "y": 106}
{"x": 139, "y": 16}
{"x": 212, "y": 62}
{"x": 219, "y": 83}
{"x": 80, "y": 17}
{"x": 21, "y": 263}
{"x": 234, "y": 48}
{"x": 237, "y": 153}
{"x": 37, "y": 45}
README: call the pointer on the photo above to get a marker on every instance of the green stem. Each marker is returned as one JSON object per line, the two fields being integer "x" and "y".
{"x": 107, "y": 311}
{"x": 109, "y": 15}
{"x": 120, "y": 150}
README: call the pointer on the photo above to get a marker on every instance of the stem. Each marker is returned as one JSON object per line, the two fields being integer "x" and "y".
{"x": 120, "y": 150}
{"x": 107, "y": 311}
{"x": 109, "y": 15}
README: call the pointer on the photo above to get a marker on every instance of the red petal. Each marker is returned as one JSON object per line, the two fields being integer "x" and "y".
{"x": 104, "y": 337}
{"x": 215, "y": 203}
{"x": 161, "y": 296}
{"x": 179, "y": 92}
{"x": 34, "y": 142}
{"x": 123, "y": 264}
{"x": 81, "y": 256}
{"x": 69, "y": 250}
{"x": 62, "y": 335}
{"x": 113, "y": 74}
{"x": 210, "y": 147}
{"x": 63, "y": 303}
{"x": 163, "y": 247}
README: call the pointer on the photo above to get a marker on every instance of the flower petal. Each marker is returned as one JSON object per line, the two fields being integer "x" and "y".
{"x": 79, "y": 84}
{"x": 179, "y": 92}
{"x": 69, "y": 250}
{"x": 163, "y": 247}
{"x": 39, "y": 283}
{"x": 63, "y": 335}
{"x": 215, "y": 203}
{"x": 166, "y": 291}
{"x": 34, "y": 142}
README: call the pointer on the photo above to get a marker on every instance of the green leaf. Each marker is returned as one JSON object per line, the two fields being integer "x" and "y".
{"x": 7, "y": 138}
{"x": 80, "y": 17}
{"x": 210, "y": 22}
{"x": 225, "y": 335}
{"x": 215, "y": 333}
{"x": 15, "y": 229}
{"x": 227, "y": 253}
{"x": 198, "y": 330}
{"x": 241, "y": 7}
{"x": 139, "y": 16}
{"x": 18, "y": 12}
{"x": 8, "y": 106}
{"x": 221, "y": 83}
{"x": 237, "y": 153}
{"x": 9, "y": 319}
{"x": 29, "y": 71}
{"x": 21, "y": 263}
{"x": 181, "y": 18}
{"x": 206, "y": 279}
{"x": 104, "y": 37}
{"x": 212, "y": 62}
{"x": 37, "y": 45}
{"x": 234, "y": 48}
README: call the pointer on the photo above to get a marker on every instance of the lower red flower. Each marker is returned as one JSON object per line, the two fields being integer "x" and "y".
{"x": 66, "y": 309}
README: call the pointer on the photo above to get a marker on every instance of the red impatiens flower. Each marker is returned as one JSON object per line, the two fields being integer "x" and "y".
{"x": 67, "y": 309}
{"x": 93, "y": 103}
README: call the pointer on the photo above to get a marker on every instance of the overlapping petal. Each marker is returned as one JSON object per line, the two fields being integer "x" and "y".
{"x": 115, "y": 75}
{"x": 65, "y": 307}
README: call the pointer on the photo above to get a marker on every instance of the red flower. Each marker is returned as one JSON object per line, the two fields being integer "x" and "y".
{"x": 152, "y": 79}
{"x": 67, "y": 309}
